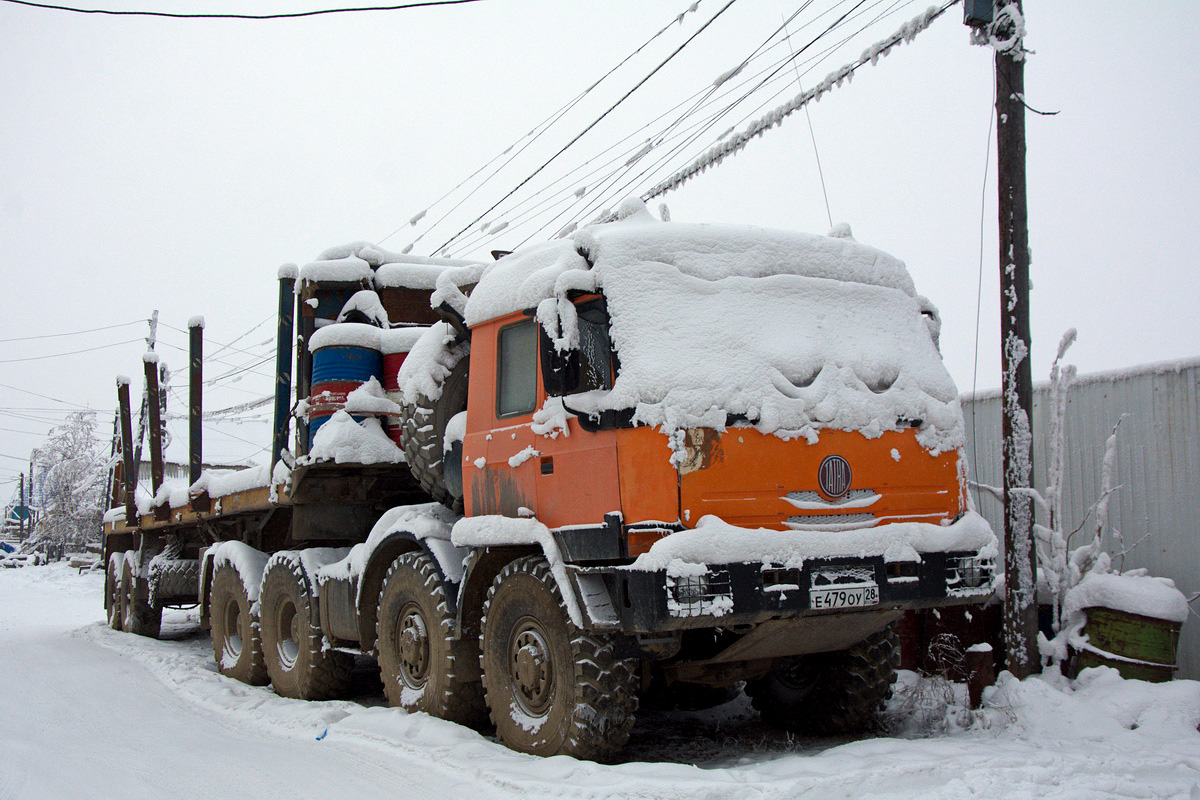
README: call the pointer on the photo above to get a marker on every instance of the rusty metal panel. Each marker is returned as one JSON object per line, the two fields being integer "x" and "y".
{"x": 1158, "y": 468}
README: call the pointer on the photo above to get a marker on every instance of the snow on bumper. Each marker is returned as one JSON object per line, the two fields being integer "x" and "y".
{"x": 720, "y": 574}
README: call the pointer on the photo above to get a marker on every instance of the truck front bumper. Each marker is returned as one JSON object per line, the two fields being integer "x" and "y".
{"x": 740, "y": 594}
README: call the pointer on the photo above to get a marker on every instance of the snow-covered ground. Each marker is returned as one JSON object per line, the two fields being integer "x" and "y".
{"x": 89, "y": 712}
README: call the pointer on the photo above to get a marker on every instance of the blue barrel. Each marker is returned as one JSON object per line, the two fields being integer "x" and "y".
{"x": 345, "y": 356}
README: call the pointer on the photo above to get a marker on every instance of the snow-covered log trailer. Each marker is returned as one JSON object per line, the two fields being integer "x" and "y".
{"x": 646, "y": 459}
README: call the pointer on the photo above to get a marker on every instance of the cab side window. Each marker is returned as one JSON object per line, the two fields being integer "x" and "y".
{"x": 595, "y": 349}
{"x": 517, "y": 369}
{"x": 589, "y": 366}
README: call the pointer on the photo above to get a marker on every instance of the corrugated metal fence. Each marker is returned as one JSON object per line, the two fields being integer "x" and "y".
{"x": 1158, "y": 469}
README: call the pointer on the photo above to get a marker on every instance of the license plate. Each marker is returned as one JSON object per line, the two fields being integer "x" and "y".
{"x": 844, "y": 597}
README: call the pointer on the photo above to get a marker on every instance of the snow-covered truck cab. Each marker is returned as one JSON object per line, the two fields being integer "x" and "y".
{"x": 661, "y": 394}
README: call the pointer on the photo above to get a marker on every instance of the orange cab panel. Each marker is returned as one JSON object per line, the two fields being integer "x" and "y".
{"x": 757, "y": 480}
{"x": 649, "y": 481}
{"x": 567, "y": 479}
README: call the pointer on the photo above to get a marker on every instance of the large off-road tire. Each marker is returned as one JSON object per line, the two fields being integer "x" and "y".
{"x": 138, "y": 615}
{"x": 422, "y": 666}
{"x": 831, "y": 693}
{"x": 112, "y": 591}
{"x": 423, "y": 432}
{"x": 552, "y": 688}
{"x": 292, "y": 639}
{"x": 237, "y": 647}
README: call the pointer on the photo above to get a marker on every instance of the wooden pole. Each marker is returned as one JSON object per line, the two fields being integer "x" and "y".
{"x": 151, "y": 340}
{"x": 283, "y": 361}
{"x": 195, "y": 398}
{"x": 306, "y": 321}
{"x": 130, "y": 470}
{"x": 1020, "y": 562}
{"x": 156, "y": 456}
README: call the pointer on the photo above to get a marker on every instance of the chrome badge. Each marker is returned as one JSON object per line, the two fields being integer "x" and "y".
{"x": 833, "y": 476}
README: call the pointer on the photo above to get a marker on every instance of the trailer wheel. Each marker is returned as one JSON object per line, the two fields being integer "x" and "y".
{"x": 138, "y": 615}
{"x": 424, "y": 431}
{"x": 552, "y": 688}
{"x": 422, "y": 666}
{"x": 292, "y": 639}
{"x": 112, "y": 591}
{"x": 830, "y": 693}
{"x": 235, "y": 636}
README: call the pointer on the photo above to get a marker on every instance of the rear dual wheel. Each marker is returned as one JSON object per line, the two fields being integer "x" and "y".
{"x": 293, "y": 649}
{"x": 138, "y": 614}
{"x": 423, "y": 667}
{"x": 237, "y": 647}
{"x": 112, "y": 590}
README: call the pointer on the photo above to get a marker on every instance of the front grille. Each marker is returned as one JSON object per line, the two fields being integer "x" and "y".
{"x": 830, "y": 522}
{"x": 815, "y": 499}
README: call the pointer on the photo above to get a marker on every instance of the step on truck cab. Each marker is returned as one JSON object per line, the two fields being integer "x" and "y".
{"x": 668, "y": 461}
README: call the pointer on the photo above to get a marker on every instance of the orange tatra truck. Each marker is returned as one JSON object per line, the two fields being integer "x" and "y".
{"x": 665, "y": 459}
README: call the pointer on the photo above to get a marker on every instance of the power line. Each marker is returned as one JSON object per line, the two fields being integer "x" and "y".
{"x": 536, "y": 133}
{"x": 671, "y": 139}
{"x": 760, "y": 126}
{"x": 43, "y": 396}
{"x": 71, "y": 333}
{"x": 594, "y": 122}
{"x": 223, "y": 347}
{"x": 71, "y": 353}
{"x": 755, "y": 83}
{"x": 291, "y": 15}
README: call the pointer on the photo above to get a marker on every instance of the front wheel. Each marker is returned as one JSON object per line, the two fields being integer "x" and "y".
{"x": 551, "y": 688}
{"x": 831, "y": 693}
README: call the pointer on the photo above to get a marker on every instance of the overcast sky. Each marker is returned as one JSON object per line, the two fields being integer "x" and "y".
{"x": 175, "y": 164}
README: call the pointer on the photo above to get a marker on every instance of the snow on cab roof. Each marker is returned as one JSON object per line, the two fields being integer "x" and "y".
{"x": 706, "y": 251}
{"x": 793, "y": 332}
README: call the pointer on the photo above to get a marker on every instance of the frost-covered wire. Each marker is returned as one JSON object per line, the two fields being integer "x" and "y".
{"x": 70, "y": 353}
{"x": 762, "y": 79}
{"x": 73, "y": 333}
{"x": 535, "y": 133}
{"x": 734, "y": 144}
{"x": 593, "y": 124}
{"x": 594, "y": 199}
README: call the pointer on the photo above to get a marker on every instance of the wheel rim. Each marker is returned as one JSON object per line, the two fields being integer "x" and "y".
{"x": 412, "y": 646}
{"x": 530, "y": 667}
{"x": 231, "y": 648}
{"x": 287, "y": 622}
{"x": 127, "y": 600}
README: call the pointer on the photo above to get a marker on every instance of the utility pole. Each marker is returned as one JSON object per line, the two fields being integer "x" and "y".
{"x": 21, "y": 510}
{"x": 1020, "y": 559}
{"x": 1001, "y": 25}
{"x": 141, "y": 431}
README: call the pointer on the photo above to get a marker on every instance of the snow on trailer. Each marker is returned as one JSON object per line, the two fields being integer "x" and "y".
{"x": 640, "y": 490}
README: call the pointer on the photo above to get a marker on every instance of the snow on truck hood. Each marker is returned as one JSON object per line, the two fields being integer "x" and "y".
{"x": 793, "y": 331}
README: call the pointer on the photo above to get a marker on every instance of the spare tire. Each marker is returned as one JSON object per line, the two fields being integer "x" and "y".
{"x": 424, "y": 421}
